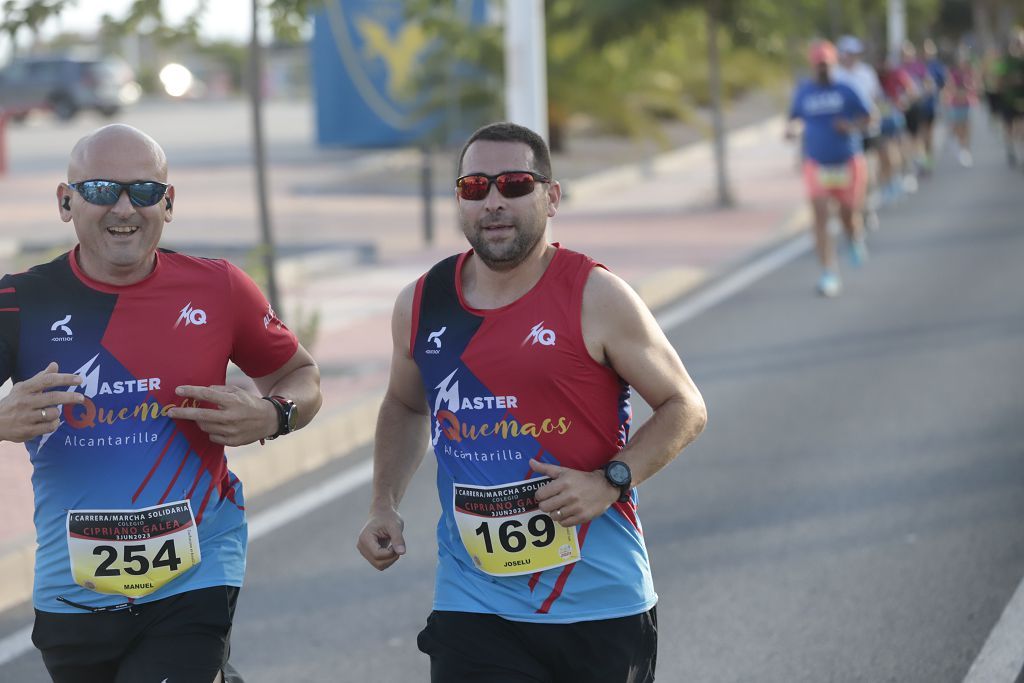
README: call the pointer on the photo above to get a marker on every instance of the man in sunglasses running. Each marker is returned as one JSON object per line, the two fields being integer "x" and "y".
{"x": 118, "y": 351}
{"x": 516, "y": 358}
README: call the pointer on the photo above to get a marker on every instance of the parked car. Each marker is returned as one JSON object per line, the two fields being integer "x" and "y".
{"x": 66, "y": 86}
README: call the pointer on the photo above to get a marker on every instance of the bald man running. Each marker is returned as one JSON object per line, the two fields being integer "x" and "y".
{"x": 118, "y": 351}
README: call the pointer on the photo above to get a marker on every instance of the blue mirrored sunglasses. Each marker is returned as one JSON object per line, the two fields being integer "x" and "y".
{"x": 107, "y": 192}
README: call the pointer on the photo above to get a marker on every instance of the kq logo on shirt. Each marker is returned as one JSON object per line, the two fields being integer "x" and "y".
{"x": 540, "y": 335}
{"x": 191, "y": 316}
{"x": 62, "y": 324}
{"x": 435, "y": 338}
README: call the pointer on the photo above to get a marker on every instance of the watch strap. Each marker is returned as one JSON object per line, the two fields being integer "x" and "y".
{"x": 283, "y": 407}
{"x": 624, "y": 488}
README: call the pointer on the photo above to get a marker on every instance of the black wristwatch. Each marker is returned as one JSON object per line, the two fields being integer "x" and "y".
{"x": 619, "y": 475}
{"x": 287, "y": 415}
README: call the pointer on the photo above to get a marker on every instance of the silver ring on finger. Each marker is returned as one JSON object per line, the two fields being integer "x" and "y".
{"x": 43, "y": 411}
{"x": 558, "y": 513}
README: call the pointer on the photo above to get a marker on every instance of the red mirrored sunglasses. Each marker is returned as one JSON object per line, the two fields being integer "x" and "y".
{"x": 511, "y": 184}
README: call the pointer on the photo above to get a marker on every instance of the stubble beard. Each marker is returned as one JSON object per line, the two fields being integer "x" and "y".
{"x": 511, "y": 255}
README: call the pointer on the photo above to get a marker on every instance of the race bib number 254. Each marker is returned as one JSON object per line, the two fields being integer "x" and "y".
{"x": 132, "y": 552}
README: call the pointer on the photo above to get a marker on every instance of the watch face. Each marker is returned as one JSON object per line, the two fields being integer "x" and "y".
{"x": 618, "y": 473}
{"x": 293, "y": 415}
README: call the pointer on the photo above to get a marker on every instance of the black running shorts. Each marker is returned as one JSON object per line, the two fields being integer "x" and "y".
{"x": 995, "y": 102}
{"x": 1012, "y": 111}
{"x": 482, "y": 648}
{"x": 913, "y": 118}
{"x": 184, "y": 638}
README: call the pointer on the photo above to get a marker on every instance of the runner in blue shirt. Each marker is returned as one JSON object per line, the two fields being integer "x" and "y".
{"x": 938, "y": 75}
{"x": 833, "y": 116}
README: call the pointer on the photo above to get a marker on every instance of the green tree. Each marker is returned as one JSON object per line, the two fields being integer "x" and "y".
{"x": 28, "y": 14}
{"x": 289, "y": 18}
{"x": 458, "y": 80}
{"x": 627, "y": 77}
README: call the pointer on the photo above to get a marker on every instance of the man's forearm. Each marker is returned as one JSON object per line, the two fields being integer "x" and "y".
{"x": 401, "y": 441}
{"x": 674, "y": 424}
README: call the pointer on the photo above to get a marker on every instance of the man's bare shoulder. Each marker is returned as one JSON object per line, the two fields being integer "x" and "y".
{"x": 402, "y": 314}
{"x": 612, "y": 313}
{"x": 607, "y": 291}
{"x": 406, "y": 297}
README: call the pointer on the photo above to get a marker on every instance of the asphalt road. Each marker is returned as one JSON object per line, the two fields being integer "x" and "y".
{"x": 851, "y": 513}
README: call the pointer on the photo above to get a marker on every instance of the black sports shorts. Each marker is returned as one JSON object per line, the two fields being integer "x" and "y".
{"x": 1012, "y": 111}
{"x": 872, "y": 142}
{"x": 466, "y": 647}
{"x": 184, "y": 638}
{"x": 995, "y": 102}
{"x": 913, "y": 118}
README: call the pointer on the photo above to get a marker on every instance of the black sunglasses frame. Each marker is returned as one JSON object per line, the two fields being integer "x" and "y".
{"x": 493, "y": 180}
{"x": 131, "y": 188}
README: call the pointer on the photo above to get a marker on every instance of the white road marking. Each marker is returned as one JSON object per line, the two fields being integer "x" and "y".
{"x": 735, "y": 282}
{"x": 307, "y": 501}
{"x": 1002, "y": 656}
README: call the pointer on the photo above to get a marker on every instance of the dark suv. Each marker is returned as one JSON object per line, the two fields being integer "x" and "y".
{"x": 66, "y": 85}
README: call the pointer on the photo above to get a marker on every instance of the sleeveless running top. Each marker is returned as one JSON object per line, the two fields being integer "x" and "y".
{"x": 504, "y": 386}
{"x": 119, "y": 451}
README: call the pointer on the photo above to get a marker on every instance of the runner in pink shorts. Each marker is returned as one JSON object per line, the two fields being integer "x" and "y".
{"x": 847, "y": 183}
{"x": 833, "y": 117}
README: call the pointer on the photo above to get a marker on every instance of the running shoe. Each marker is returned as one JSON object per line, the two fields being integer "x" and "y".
{"x": 965, "y": 158}
{"x": 857, "y": 251}
{"x": 910, "y": 183}
{"x": 892, "y": 192}
{"x": 829, "y": 284}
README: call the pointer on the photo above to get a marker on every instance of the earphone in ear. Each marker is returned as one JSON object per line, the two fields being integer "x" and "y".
{"x": 67, "y": 203}
{"x": 168, "y": 204}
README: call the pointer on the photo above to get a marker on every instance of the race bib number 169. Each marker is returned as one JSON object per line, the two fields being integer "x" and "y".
{"x": 506, "y": 533}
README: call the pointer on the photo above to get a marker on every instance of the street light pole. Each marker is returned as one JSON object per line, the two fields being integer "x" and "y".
{"x": 526, "y": 83}
{"x": 725, "y": 197}
{"x": 897, "y": 27}
{"x": 526, "y": 79}
{"x": 260, "y": 159}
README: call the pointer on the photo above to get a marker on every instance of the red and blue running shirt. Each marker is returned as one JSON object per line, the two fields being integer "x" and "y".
{"x": 117, "y": 480}
{"x": 504, "y": 386}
